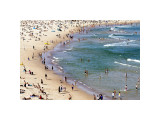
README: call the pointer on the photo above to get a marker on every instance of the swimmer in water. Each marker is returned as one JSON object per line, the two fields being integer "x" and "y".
{"x": 136, "y": 87}
{"x": 126, "y": 75}
{"x": 126, "y": 87}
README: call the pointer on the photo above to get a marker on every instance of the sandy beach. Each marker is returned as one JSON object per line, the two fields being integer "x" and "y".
{"x": 37, "y": 37}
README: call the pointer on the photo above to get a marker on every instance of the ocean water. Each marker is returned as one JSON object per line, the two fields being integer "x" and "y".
{"x": 114, "y": 47}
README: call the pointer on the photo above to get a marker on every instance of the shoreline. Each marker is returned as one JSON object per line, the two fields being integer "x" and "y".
{"x": 36, "y": 66}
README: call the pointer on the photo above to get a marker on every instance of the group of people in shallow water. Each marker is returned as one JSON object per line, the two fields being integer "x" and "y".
{"x": 98, "y": 97}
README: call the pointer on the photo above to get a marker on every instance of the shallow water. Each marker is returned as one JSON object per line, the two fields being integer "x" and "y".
{"x": 114, "y": 47}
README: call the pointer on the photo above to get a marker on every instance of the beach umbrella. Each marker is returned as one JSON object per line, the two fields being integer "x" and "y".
{"x": 21, "y": 63}
{"x": 46, "y": 43}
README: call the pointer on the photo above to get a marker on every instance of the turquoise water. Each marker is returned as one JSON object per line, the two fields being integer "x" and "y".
{"x": 114, "y": 47}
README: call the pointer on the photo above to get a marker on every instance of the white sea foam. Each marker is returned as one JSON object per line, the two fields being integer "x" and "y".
{"x": 111, "y": 35}
{"x": 124, "y": 43}
{"x": 112, "y": 28}
{"x": 125, "y": 64}
{"x": 69, "y": 49}
{"x": 124, "y": 26}
{"x": 134, "y": 60}
{"x": 117, "y": 44}
{"x": 55, "y": 58}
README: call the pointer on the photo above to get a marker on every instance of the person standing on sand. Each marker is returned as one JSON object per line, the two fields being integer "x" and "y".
{"x": 72, "y": 86}
{"x": 46, "y": 76}
{"x": 114, "y": 93}
{"x": 24, "y": 84}
{"x": 65, "y": 78}
{"x": 75, "y": 82}
{"x": 119, "y": 95}
{"x": 52, "y": 67}
{"x": 94, "y": 97}
{"x": 33, "y": 46}
{"x": 70, "y": 97}
{"x": 59, "y": 89}
{"x": 41, "y": 81}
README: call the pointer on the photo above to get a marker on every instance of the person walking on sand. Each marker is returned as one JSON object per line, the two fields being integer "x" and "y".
{"x": 65, "y": 79}
{"x": 70, "y": 97}
{"x": 59, "y": 89}
{"x": 52, "y": 67}
{"x": 119, "y": 95}
{"x": 94, "y": 97}
{"x": 41, "y": 81}
{"x": 33, "y": 46}
{"x": 33, "y": 56}
{"x": 46, "y": 76}
{"x": 75, "y": 82}
{"x": 72, "y": 86}
{"x": 28, "y": 58}
{"x": 114, "y": 93}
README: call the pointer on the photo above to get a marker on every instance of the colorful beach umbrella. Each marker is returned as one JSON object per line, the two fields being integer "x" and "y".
{"x": 46, "y": 43}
